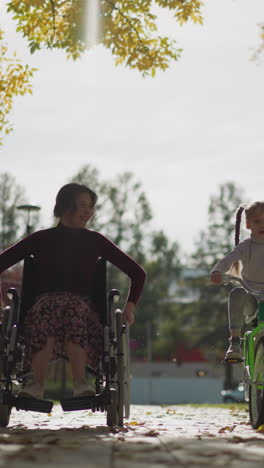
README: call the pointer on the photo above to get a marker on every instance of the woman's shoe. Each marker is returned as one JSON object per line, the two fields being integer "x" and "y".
{"x": 83, "y": 390}
{"x": 32, "y": 391}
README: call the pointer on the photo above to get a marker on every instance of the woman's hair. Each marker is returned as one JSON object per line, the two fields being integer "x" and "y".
{"x": 66, "y": 198}
{"x": 249, "y": 212}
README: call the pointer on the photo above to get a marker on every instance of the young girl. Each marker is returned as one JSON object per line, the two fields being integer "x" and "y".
{"x": 246, "y": 261}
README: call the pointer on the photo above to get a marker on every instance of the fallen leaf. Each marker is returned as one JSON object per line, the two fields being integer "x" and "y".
{"x": 260, "y": 428}
{"x": 226, "y": 429}
{"x": 171, "y": 411}
{"x": 135, "y": 423}
{"x": 152, "y": 433}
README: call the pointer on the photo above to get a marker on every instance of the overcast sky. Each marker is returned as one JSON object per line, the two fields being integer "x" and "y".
{"x": 182, "y": 134}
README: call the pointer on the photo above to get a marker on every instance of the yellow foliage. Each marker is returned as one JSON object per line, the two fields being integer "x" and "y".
{"x": 260, "y": 49}
{"x": 14, "y": 80}
{"x": 127, "y": 27}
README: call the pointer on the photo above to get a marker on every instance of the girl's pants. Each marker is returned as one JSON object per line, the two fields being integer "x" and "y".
{"x": 240, "y": 303}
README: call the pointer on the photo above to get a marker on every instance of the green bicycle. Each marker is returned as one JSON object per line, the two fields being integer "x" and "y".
{"x": 253, "y": 356}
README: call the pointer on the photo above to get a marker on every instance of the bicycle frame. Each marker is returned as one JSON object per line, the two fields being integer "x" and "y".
{"x": 249, "y": 342}
{"x": 253, "y": 351}
{"x": 249, "y": 338}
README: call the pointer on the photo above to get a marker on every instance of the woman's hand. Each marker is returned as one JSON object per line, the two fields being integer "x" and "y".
{"x": 128, "y": 312}
{"x": 216, "y": 277}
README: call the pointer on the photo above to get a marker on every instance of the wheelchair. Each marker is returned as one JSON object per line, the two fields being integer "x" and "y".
{"x": 112, "y": 379}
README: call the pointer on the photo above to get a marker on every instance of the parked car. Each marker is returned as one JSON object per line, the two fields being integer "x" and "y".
{"x": 236, "y": 395}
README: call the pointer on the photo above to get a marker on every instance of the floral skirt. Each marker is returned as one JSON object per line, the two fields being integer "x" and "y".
{"x": 68, "y": 317}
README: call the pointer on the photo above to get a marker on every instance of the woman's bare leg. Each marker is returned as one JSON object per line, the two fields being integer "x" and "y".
{"x": 40, "y": 361}
{"x": 77, "y": 357}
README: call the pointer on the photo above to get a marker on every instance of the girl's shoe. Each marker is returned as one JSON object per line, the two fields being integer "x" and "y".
{"x": 34, "y": 390}
{"x": 83, "y": 390}
{"x": 234, "y": 351}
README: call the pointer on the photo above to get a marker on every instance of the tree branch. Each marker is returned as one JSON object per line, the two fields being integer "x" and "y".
{"x": 53, "y": 17}
{"x": 114, "y": 7}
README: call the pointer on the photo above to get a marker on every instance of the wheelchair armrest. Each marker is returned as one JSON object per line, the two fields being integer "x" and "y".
{"x": 14, "y": 306}
{"x": 118, "y": 311}
{"x": 12, "y": 293}
{"x": 114, "y": 295}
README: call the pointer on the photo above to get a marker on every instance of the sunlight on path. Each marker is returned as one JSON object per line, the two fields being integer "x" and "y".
{"x": 153, "y": 436}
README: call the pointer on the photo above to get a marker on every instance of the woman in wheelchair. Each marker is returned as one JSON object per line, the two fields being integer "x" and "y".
{"x": 62, "y": 319}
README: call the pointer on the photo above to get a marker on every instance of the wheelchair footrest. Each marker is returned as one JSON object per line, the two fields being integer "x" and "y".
{"x": 32, "y": 404}
{"x": 96, "y": 402}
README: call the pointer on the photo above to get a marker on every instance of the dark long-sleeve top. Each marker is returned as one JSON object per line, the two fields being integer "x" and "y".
{"x": 66, "y": 260}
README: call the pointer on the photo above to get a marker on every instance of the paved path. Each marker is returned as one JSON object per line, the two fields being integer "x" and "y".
{"x": 154, "y": 436}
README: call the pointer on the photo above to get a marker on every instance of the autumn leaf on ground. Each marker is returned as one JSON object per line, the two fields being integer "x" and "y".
{"x": 260, "y": 428}
{"x": 135, "y": 423}
{"x": 152, "y": 433}
{"x": 226, "y": 429}
{"x": 205, "y": 434}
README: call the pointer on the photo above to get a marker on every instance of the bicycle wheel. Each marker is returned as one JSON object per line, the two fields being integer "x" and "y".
{"x": 246, "y": 385}
{"x": 256, "y": 389}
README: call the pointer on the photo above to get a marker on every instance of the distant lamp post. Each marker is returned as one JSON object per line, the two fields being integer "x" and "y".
{"x": 28, "y": 209}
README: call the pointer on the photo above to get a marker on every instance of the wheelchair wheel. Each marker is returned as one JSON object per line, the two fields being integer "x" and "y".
{"x": 120, "y": 366}
{"x": 256, "y": 389}
{"x": 127, "y": 376}
{"x": 5, "y": 412}
{"x": 5, "y": 319}
{"x": 112, "y": 410}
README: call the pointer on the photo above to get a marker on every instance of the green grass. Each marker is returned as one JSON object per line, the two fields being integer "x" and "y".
{"x": 240, "y": 406}
{"x": 237, "y": 406}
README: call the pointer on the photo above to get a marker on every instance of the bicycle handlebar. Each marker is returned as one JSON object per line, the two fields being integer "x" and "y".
{"x": 257, "y": 293}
